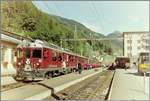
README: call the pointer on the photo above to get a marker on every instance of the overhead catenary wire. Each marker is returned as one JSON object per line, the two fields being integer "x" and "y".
{"x": 99, "y": 15}
{"x": 43, "y": 25}
{"x": 57, "y": 10}
{"x": 98, "y": 39}
{"x": 92, "y": 5}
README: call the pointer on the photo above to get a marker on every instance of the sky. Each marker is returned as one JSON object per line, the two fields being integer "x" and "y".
{"x": 102, "y": 16}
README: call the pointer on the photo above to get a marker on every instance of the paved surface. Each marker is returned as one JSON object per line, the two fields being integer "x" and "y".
{"x": 6, "y": 75}
{"x": 128, "y": 85}
{"x": 38, "y": 91}
{"x": 7, "y": 80}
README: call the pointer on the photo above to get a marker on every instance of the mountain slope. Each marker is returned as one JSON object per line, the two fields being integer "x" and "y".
{"x": 24, "y": 18}
{"x": 119, "y": 41}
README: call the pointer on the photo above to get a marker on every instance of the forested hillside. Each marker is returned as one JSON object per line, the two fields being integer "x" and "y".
{"x": 25, "y": 19}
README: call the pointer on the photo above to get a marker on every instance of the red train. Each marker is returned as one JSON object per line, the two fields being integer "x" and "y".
{"x": 39, "y": 59}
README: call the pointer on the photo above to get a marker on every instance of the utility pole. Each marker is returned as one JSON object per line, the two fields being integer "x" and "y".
{"x": 75, "y": 32}
{"x": 61, "y": 42}
{"x": 91, "y": 37}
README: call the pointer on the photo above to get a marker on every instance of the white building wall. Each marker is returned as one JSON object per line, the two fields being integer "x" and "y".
{"x": 137, "y": 44}
{"x": 8, "y": 45}
{"x": 7, "y": 60}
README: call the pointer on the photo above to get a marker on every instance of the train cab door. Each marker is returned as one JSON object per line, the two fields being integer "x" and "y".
{"x": 74, "y": 62}
{"x": 59, "y": 59}
{"x": 53, "y": 59}
{"x": 66, "y": 58}
{"x": 46, "y": 55}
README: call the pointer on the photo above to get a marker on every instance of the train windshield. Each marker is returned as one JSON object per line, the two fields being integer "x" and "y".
{"x": 36, "y": 53}
{"x": 28, "y": 53}
{"x": 19, "y": 53}
{"x": 144, "y": 58}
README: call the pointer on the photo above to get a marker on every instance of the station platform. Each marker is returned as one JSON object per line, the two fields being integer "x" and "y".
{"x": 6, "y": 75}
{"x": 7, "y": 80}
{"x": 43, "y": 89}
{"x": 129, "y": 85}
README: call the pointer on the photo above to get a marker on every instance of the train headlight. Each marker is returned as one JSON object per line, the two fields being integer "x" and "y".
{"x": 19, "y": 63}
{"x": 37, "y": 64}
{"x": 40, "y": 60}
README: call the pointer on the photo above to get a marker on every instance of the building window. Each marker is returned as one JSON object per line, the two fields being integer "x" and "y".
{"x": 142, "y": 46}
{"x": 146, "y": 47}
{"x": 12, "y": 56}
{"x": 138, "y": 41}
{"x": 129, "y": 41}
{"x": 3, "y": 49}
{"x": 139, "y": 47}
{"x": 129, "y": 48}
{"x": 129, "y": 55}
{"x": 146, "y": 41}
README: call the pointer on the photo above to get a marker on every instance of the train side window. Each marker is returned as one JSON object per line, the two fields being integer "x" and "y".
{"x": 70, "y": 58}
{"x": 45, "y": 53}
{"x": 59, "y": 58}
{"x": 54, "y": 56}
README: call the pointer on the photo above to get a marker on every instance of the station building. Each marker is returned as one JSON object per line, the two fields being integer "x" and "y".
{"x": 8, "y": 43}
{"x": 135, "y": 43}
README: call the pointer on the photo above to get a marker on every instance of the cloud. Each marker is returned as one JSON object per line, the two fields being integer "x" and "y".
{"x": 93, "y": 27}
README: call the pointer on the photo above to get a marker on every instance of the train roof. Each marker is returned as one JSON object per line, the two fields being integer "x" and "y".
{"x": 44, "y": 44}
{"x": 122, "y": 57}
{"x": 39, "y": 44}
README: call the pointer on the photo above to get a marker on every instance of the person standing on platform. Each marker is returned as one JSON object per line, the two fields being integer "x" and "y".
{"x": 79, "y": 68}
{"x": 64, "y": 67}
{"x": 134, "y": 67}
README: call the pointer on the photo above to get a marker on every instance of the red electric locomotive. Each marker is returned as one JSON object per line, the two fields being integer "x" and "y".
{"x": 41, "y": 60}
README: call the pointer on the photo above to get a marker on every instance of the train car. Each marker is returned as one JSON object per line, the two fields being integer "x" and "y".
{"x": 143, "y": 63}
{"x": 122, "y": 62}
{"x": 40, "y": 60}
{"x": 85, "y": 63}
{"x": 37, "y": 59}
{"x": 71, "y": 61}
{"x": 94, "y": 63}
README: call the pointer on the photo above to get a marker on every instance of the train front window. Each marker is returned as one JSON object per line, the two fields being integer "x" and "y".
{"x": 19, "y": 53}
{"x": 28, "y": 53}
{"x": 144, "y": 58}
{"x": 36, "y": 54}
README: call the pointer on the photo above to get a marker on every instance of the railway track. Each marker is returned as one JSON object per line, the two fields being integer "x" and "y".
{"x": 93, "y": 88}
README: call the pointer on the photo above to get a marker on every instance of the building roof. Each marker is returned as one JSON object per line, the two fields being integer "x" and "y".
{"x": 136, "y": 32}
{"x": 16, "y": 36}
